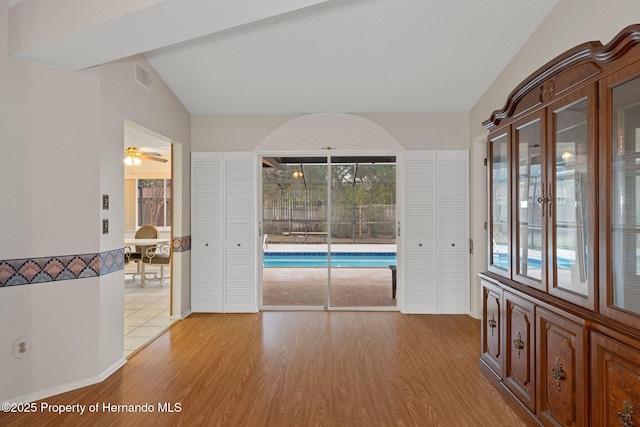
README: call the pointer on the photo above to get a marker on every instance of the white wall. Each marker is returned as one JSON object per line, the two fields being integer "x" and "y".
{"x": 158, "y": 110}
{"x": 49, "y": 128}
{"x": 416, "y": 131}
{"x": 62, "y": 142}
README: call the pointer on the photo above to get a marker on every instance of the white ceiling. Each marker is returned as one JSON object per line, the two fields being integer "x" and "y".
{"x": 352, "y": 56}
{"x": 290, "y": 56}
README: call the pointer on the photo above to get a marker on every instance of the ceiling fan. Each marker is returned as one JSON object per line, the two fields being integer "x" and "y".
{"x": 133, "y": 156}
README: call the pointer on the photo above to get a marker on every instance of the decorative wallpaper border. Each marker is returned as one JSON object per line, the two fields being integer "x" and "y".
{"x": 28, "y": 271}
{"x": 181, "y": 244}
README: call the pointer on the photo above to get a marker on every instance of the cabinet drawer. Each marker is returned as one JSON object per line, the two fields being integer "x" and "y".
{"x": 615, "y": 376}
{"x": 519, "y": 360}
{"x": 561, "y": 370}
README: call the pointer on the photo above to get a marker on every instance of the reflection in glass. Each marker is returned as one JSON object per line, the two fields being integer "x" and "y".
{"x": 529, "y": 219}
{"x": 499, "y": 202}
{"x": 570, "y": 198}
{"x": 625, "y": 195}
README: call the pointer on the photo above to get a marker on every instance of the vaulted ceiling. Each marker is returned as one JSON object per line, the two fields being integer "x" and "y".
{"x": 305, "y": 56}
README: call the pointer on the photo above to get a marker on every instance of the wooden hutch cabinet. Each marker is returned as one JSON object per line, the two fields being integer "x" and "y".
{"x": 560, "y": 333}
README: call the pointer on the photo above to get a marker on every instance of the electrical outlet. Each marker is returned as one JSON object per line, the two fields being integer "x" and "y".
{"x": 22, "y": 347}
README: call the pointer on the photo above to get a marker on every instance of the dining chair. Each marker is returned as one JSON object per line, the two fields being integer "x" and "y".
{"x": 144, "y": 232}
{"x": 158, "y": 255}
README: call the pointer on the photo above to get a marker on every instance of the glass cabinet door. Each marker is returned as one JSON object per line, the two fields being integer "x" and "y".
{"x": 530, "y": 192}
{"x": 570, "y": 210}
{"x": 499, "y": 215}
{"x": 623, "y": 291}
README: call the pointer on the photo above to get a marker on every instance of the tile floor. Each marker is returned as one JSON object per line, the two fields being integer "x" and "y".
{"x": 146, "y": 310}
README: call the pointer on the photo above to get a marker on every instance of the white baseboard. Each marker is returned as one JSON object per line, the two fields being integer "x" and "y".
{"x": 185, "y": 314}
{"x": 107, "y": 373}
{"x": 43, "y": 394}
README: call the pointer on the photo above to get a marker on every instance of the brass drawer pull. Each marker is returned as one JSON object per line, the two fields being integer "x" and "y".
{"x": 492, "y": 323}
{"x": 550, "y": 201}
{"x": 518, "y": 344}
{"x": 558, "y": 372}
{"x": 625, "y": 417}
{"x": 542, "y": 200}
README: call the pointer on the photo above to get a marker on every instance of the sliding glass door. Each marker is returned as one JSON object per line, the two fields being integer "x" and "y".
{"x": 328, "y": 229}
{"x": 294, "y": 232}
{"x": 363, "y": 225}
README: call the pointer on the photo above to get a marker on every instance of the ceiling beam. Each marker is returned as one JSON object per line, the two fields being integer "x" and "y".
{"x": 77, "y": 34}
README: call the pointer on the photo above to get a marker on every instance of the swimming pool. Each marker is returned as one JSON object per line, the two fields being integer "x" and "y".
{"x": 502, "y": 260}
{"x": 338, "y": 259}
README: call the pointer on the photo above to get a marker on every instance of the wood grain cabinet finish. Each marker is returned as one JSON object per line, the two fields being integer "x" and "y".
{"x": 491, "y": 328}
{"x": 561, "y": 367}
{"x": 615, "y": 383}
{"x": 519, "y": 348}
{"x": 563, "y": 232}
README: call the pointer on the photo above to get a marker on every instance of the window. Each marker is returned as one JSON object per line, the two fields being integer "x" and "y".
{"x": 154, "y": 202}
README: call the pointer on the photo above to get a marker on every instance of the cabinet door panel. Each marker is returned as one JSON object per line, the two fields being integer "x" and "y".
{"x": 529, "y": 263}
{"x": 499, "y": 203}
{"x": 615, "y": 377}
{"x": 620, "y": 188}
{"x": 561, "y": 370}
{"x": 492, "y": 326}
{"x": 571, "y": 193}
{"x": 519, "y": 351}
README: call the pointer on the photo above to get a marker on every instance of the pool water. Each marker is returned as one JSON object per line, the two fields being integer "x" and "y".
{"x": 338, "y": 259}
{"x": 502, "y": 260}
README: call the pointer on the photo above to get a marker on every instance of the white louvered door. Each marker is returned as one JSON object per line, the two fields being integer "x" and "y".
{"x": 436, "y": 243}
{"x": 452, "y": 203}
{"x": 420, "y": 232}
{"x": 223, "y": 261}
{"x": 207, "y": 291}
{"x": 240, "y": 233}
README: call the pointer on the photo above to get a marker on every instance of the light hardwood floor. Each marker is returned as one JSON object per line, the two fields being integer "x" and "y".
{"x": 298, "y": 369}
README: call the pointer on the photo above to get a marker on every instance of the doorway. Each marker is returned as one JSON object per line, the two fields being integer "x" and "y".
{"x": 329, "y": 232}
{"x": 148, "y": 185}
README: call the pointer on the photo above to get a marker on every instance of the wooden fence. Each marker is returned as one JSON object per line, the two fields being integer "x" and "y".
{"x": 302, "y": 212}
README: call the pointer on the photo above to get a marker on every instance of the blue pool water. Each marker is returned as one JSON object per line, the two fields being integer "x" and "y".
{"x": 501, "y": 260}
{"x": 338, "y": 259}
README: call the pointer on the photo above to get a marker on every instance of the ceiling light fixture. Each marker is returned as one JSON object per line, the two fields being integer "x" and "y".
{"x": 132, "y": 161}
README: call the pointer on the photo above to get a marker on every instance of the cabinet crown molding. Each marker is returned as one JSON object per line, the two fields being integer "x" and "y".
{"x": 563, "y": 73}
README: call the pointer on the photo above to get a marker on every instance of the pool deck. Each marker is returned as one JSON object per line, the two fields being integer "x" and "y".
{"x": 338, "y": 247}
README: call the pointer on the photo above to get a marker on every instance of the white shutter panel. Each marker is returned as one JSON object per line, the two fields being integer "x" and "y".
{"x": 240, "y": 232}
{"x": 206, "y": 233}
{"x": 453, "y": 231}
{"x": 420, "y": 232}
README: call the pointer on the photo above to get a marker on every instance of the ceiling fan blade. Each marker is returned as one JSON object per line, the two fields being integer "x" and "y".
{"x": 148, "y": 157}
{"x": 149, "y": 153}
